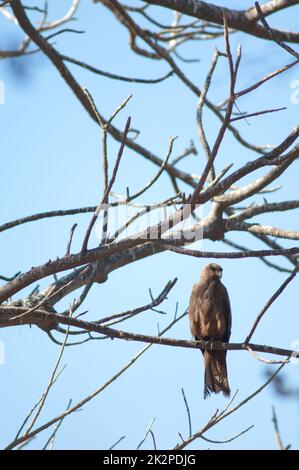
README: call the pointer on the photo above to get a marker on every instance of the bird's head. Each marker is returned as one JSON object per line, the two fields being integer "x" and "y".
{"x": 212, "y": 271}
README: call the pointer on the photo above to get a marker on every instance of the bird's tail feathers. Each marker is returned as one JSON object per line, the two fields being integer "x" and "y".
{"x": 215, "y": 373}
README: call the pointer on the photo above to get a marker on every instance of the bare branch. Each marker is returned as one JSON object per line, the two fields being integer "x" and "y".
{"x": 51, "y": 439}
{"x": 96, "y": 392}
{"x": 200, "y": 104}
{"x": 39, "y": 317}
{"x": 48, "y": 388}
{"x": 265, "y": 261}
{"x": 11, "y": 278}
{"x": 111, "y": 182}
{"x": 157, "y": 176}
{"x": 267, "y": 361}
{"x": 270, "y": 302}
{"x": 69, "y": 243}
{"x": 155, "y": 302}
{"x": 216, "y": 419}
{"x": 277, "y": 432}
{"x": 114, "y": 76}
{"x": 146, "y": 433}
{"x": 240, "y": 20}
{"x": 117, "y": 442}
{"x": 230, "y": 255}
{"x": 273, "y": 34}
{"x": 257, "y": 113}
{"x": 254, "y": 210}
{"x": 46, "y": 215}
{"x": 263, "y": 230}
{"x": 266, "y": 78}
{"x": 188, "y": 412}
{"x": 230, "y": 439}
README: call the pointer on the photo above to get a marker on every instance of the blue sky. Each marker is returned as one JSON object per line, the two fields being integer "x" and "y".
{"x": 51, "y": 159}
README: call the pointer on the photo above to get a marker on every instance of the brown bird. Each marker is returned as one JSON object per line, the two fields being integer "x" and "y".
{"x": 210, "y": 319}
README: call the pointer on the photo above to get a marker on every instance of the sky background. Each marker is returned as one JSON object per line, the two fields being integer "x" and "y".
{"x": 51, "y": 159}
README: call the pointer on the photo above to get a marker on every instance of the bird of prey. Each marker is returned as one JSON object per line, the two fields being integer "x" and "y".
{"x": 210, "y": 320}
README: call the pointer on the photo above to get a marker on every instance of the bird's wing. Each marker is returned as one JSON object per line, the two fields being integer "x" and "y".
{"x": 227, "y": 314}
{"x": 194, "y": 312}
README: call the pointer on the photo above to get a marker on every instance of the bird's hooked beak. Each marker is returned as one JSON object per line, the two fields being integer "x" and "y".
{"x": 219, "y": 273}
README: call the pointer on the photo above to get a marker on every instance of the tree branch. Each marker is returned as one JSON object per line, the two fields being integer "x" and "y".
{"x": 242, "y": 20}
{"x": 40, "y": 317}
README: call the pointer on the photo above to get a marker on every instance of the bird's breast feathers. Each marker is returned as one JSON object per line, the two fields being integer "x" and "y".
{"x": 209, "y": 310}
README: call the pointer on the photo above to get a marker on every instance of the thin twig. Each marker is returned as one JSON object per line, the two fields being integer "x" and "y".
{"x": 266, "y": 361}
{"x": 200, "y": 104}
{"x": 117, "y": 442}
{"x": 69, "y": 243}
{"x": 114, "y": 76}
{"x": 46, "y": 215}
{"x": 216, "y": 419}
{"x": 56, "y": 428}
{"x": 82, "y": 402}
{"x": 273, "y": 35}
{"x": 48, "y": 388}
{"x": 79, "y": 301}
{"x": 227, "y": 440}
{"x": 8, "y": 279}
{"x": 52, "y": 293}
{"x": 266, "y": 78}
{"x": 270, "y": 302}
{"x": 158, "y": 174}
{"x": 154, "y": 439}
{"x": 155, "y": 302}
{"x": 146, "y": 433}
{"x": 257, "y": 113}
{"x": 188, "y": 413}
{"x": 228, "y": 255}
{"x": 265, "y": 261}
{"x": 111, "y": 182}
{"x": 276, "y": 429}
{"x": 225, "y": 123}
